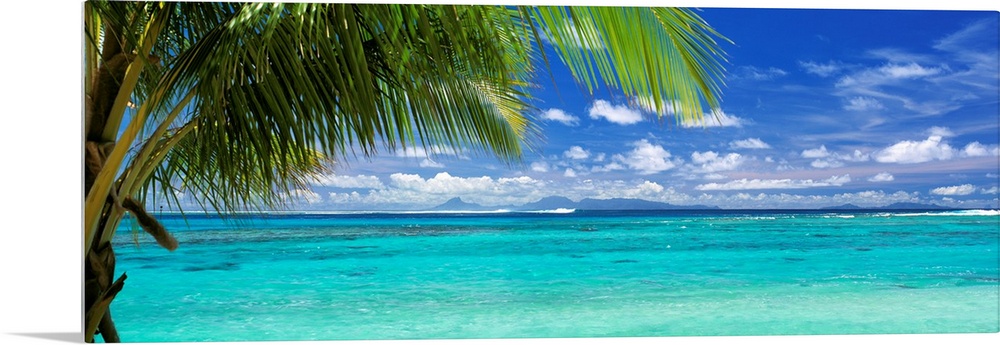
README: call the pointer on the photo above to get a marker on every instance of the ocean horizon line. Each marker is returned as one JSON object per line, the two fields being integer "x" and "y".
{"x": 903, "y": 211}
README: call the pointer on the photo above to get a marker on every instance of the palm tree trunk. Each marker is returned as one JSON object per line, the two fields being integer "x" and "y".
{"x": 99, "y": 263}
{"x": 99, "y": 291}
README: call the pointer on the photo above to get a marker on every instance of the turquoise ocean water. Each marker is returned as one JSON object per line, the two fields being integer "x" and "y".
{"x": 556, "y": 274}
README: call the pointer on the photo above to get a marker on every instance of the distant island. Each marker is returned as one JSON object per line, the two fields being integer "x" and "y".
{"x": 894, "y": 206}
{"x": 557, "y": 202}
{"x": 622, "y": 204}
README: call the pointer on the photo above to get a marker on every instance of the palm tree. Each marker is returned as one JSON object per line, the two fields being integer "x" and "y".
{"x": 238, "y": 104}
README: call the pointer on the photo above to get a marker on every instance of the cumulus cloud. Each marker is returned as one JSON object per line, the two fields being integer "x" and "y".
{"x": 577, "y": 153}
{"x": 823, "y": 158}
{"x": 821, "y": 152}
{"x": 647, "y": 158}
{"x": 909, "y": 152}
{"x": 540, "y": 166}
{"x": 992, "y": 190}
{"x": 863, "y": 104}
{"x": 857, "y": 156}
{"x": 606, "y": 189}
{"x": 617, "y": 114}
{"x": 615, "y": 165}
{"x": 751, "y": 143}
{"x": 717, "y": 118}
{"x": 710, "y": 161}
{"x": 747, "y": 184}
{"x": 569, "y": 172}
{"x": 558, "y": 115}
{"x": 345, "y": 198}
{"x": 964, "y": 189}
{"x": 414, "y": 189}
{"x": 355, "y": 182}
{"x": 975, "y": 149}
{"x": 882, "y": 177}
{"x": 943, "y": 132}
{"x": 442, "y": 183}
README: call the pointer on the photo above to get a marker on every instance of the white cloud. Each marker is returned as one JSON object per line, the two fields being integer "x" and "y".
{"x": 717, "y": 118}
{"x": 416, "y": 190}
{"x": 821, "y": 152}
{"x": 822, "y": 70}
{"x": 618, "y": 114}
{"x": 606, "y": 189}
{"x": 964, "y": 189}
{"x": 863, "y": 104}
{"x": 647, "y": 158}
{"x": 345, "y": 198}
{"x": 909, "y": 71}
{"x": 943, "y": 132}
{"x": 754, "y": 73}
{"x": 882, "y": 177}
{"x": 611, "y": 166}
{"x": 969, "y": 37}
{"x": 992, "y": 190}
{"x": 540, "y": 166}
{"x": 975, "y": 149}
{"x": 341, "y": 181}
{"x": 890, "y": 73}
{"x": 751, "y": 143}
{"x": 569, "y": 173}
{"x": 826, "y": 163}
{"x": 442, "y": 183}
{"x": 857, "y": 156}
{"x": 800, "y": 201}
{"x": 746, "y": 184}
{"x": 560, "y": 116}
{"x": 710, "y": 162}
{"x": 908, "y": 152}
{"x": 823, "y": 158}
{"x": 576, "y": 152}
{"x": 715, "y": 176}
{"x": 873, "y": 198}
{"x": 428, "y": 163}
{"x": 420, "y": 152}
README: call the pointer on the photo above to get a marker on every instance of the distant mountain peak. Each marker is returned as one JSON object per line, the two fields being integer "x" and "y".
{"x": 457, "y": 204}
{"x": 894, "y": 206}
{"x": 844, "y": 207}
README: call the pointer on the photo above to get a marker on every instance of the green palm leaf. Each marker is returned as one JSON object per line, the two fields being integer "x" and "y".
{"x": 238, "y": 104}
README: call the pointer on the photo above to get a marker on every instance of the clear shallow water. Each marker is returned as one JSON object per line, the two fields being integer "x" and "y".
{"x": 584, "y": 274}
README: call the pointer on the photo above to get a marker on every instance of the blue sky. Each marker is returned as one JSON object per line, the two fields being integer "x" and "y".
{"x": 820, "y": 108}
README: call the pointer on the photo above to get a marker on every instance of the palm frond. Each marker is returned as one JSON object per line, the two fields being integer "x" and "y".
{"x": 664, "y": 58}
{"x": 274, "y": 86}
